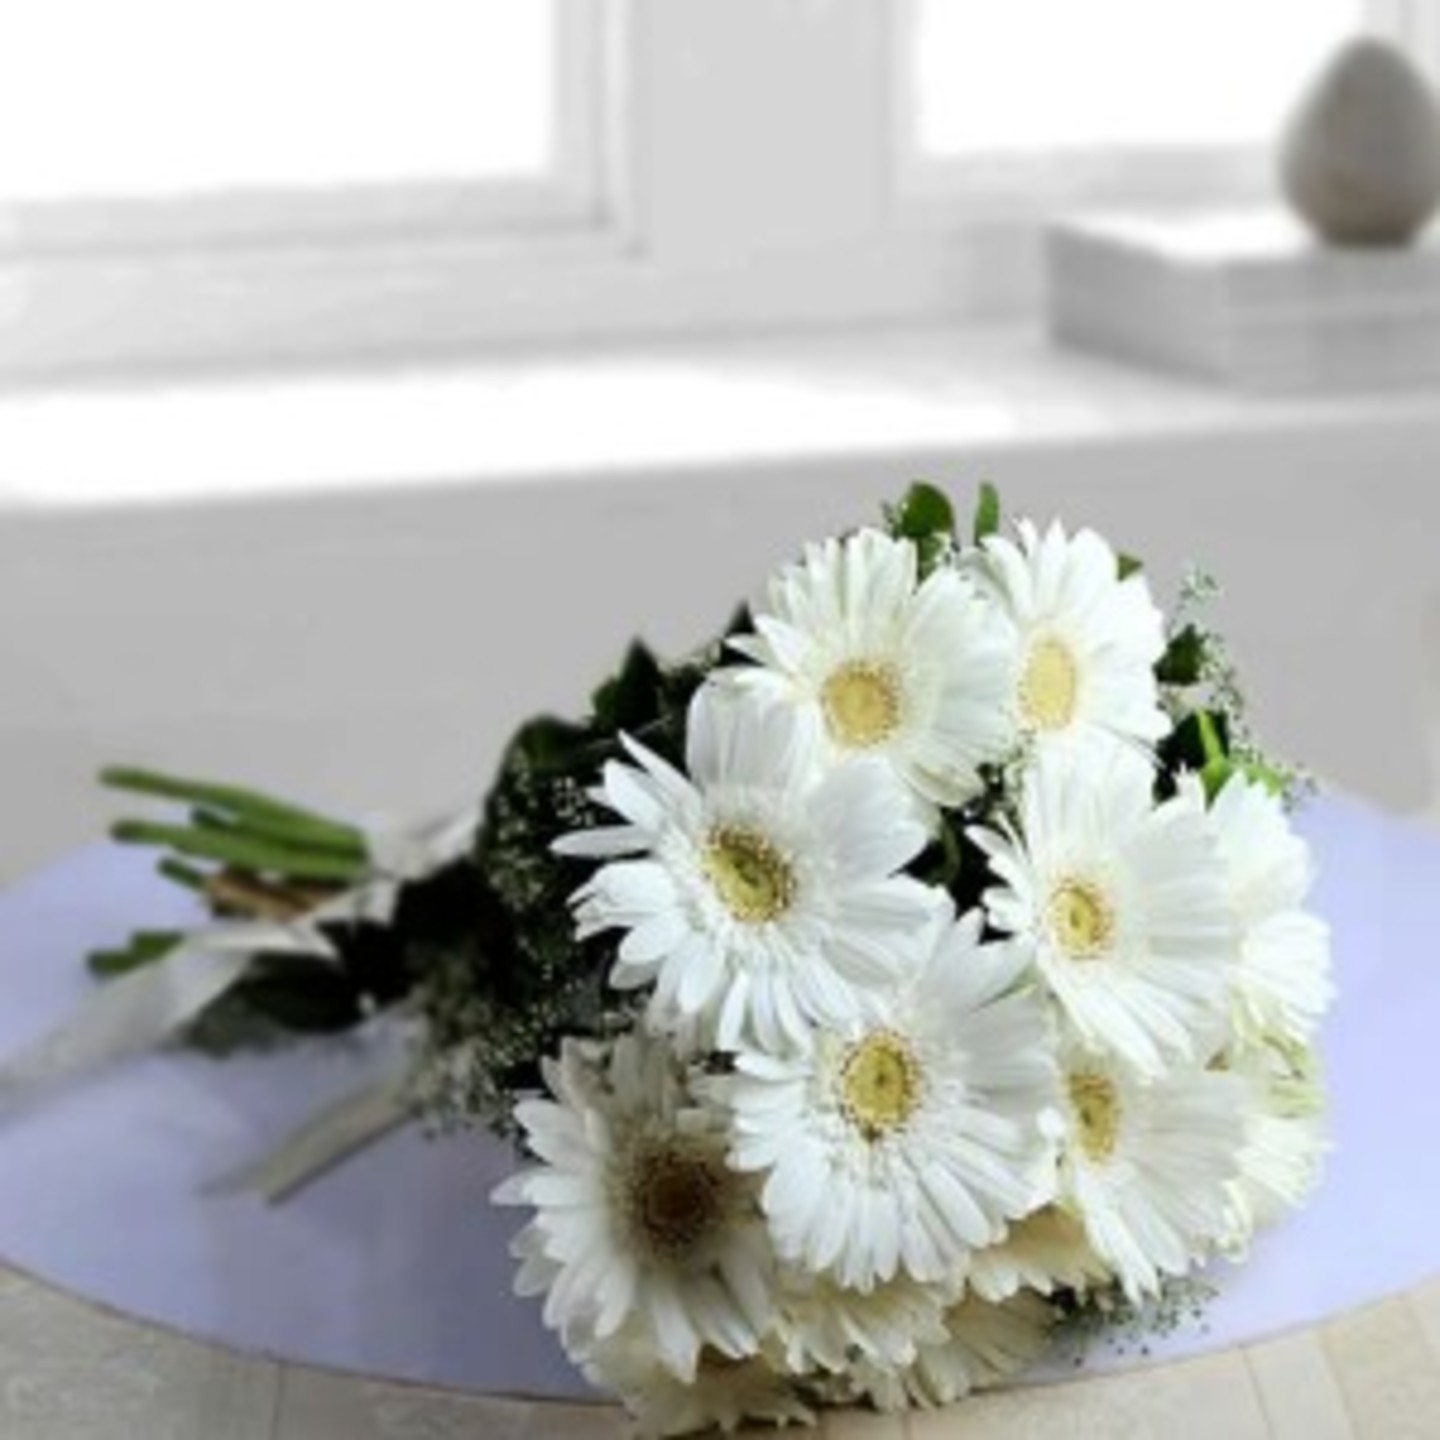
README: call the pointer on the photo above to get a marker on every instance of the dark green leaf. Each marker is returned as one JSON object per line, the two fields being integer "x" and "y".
{"x": 925, "y": 511}
{"x": 1184, "y": 658}
{"x": 987, "y": 512}
{"x": 631, "y": 697}
{"x": 546, "y": 743}
{"x": 742, "y": 622}
{"x": 926, "y": 518}
{"x": 299, "y": 993}
{"x": 1128, "y": 565}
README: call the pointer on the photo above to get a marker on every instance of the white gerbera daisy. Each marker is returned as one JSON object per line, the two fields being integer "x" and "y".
{"x": 1282, "y": 983}
{"x": 1045, "y": 1252}
{"x": 638, "y": 1217}
{"x": 723, "y": 1394}
{"x": 1147, "y": 1168}
{"x": 914, "y": 671}
{"x": 822, "y": 1325}
{"x": 1121, "y": 905}
{"x": 903, "y": 1143}
{"x": 1086, "y": 640}
{"x": 1285, "y": 1136}
{"x": 764, "y": 898}
{"x": 984, "y": 1344}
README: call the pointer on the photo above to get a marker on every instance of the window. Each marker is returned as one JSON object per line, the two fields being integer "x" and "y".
{"x": 313, "y": 181}
{"x": 103, "y": 99}
{"x": 1031, "y": 106}
{"x": 1035, "y": 77}
{"x": 169, "y": 123}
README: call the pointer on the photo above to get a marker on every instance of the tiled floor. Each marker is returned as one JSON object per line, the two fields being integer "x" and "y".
{"x": 71, "y": 1371}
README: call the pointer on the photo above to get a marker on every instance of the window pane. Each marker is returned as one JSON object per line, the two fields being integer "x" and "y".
{"x": 158, "y": 97}
{"x": 1038, "y": 75}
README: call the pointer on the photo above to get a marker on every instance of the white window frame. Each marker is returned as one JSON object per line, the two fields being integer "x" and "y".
{"x": 728, "y": 164}
{"x": 358, "y": 214}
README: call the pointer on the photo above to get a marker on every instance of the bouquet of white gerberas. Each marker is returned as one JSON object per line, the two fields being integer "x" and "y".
{"x": 920, "y": 967}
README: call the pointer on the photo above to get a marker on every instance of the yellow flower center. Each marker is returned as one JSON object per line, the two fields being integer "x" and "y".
{"x": 1095, "y": 1103}
{"x": 879, "y": 1083}
{"x": 752, "y": 878}
{"x": 861, "y": 700}
{"x": 676, "y": 1197}
{"x": 1080, "y": 918}
{"x": 1048, "y": 685}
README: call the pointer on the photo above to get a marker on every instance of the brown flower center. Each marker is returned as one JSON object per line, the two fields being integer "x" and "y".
{"x": 676, "y": 1197}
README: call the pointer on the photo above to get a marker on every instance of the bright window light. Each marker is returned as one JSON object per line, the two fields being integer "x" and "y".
{"x": 150, "y": 98}
{"x": 1033, "y": 76}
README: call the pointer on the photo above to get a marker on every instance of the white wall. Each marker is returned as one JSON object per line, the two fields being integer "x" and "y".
{"x": 370, "y": 651}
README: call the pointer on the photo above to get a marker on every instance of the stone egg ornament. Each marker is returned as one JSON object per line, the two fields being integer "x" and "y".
{"x": 1360, "y": 159}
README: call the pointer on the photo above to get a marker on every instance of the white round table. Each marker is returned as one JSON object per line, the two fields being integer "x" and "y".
{"x": 393, "y": 1271}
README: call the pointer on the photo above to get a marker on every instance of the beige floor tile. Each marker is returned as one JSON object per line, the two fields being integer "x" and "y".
{"x": 1194, "y": 1400}
{"x": 1425, "y": 1301}
{"x": 860, "y": 1425}
{"x": 73, "y": 1370}
{"x": 316, "y": 1405}
{"x": 1387, "y": 1372}
{"x": 1299, "y": 1393}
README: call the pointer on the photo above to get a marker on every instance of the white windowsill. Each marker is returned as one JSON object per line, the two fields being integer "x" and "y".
{"x": 662, "y": 408}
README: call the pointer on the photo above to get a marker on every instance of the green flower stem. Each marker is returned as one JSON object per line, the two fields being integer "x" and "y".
{"x": 181, "y": 873}
{"x": 145, "y": 947}
{"x": 1218, "y": 766}
{"x": 291, "y": 833}
{"x": 1210, "y": 737}
{"x": 264, "y": 857}
{"x": 243, "y": 804}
